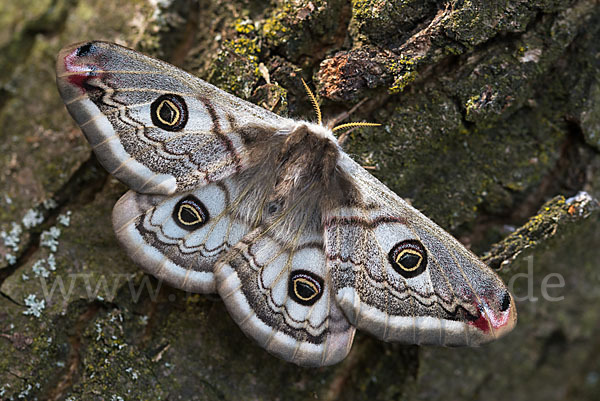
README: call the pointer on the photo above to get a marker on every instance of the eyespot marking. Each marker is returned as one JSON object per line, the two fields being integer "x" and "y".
{"x": 169, "y": 112}
{"x": 190, "y": 214}
{"x": 305, "y": 287}
{"x": 408, "y": 258}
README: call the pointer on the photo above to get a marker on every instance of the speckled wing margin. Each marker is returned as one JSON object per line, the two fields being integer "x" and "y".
{"x": 255, "y": 280}
{"x": 110, "y": 91}
{"x": 457, "y": 300}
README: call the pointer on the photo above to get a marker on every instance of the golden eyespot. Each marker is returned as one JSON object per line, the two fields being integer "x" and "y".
{"x": 305, "y": 287}
{"x": 189, "y": 213}
{"x": 169, "y": 112}
{"x": 408, "y": 258}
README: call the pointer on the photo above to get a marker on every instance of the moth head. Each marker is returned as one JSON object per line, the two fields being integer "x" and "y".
{"x": 331, "y": 127}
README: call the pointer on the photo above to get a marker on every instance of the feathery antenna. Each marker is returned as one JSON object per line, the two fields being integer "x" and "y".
{"x": 313, "y": 99}
{"x": 355, "y": 124}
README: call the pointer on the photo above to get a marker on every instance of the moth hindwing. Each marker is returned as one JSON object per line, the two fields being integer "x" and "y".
{"x": 302, "y": 244}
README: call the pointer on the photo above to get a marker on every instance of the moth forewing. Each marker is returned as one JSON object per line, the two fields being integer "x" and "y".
{"x": 451, "y": 299}
{"x": 135, "y": 111}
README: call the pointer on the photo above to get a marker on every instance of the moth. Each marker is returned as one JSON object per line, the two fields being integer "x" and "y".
{"x": 302, "y": 244}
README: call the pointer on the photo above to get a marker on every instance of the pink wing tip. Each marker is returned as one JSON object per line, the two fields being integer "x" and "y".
{"x": 76, "y": 64}
{"x": 496, "y": 322}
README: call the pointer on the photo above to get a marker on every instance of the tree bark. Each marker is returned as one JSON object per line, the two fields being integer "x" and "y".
{"x": 490, "y": 114}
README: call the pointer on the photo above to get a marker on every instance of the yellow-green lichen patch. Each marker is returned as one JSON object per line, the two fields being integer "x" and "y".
{"x": 388, "y": 22}
{"x": 402, "y": 81}
{"x": 556, "y": 214}
{"x": 274, "y": 29}
{"x": 306, "y": 28}
{"x": 235, "y": 68}
{"x": 272, "y": 97}
{"x": 245, "y": 47}
{"x": 404, "y": 71}
{"x": 245, "y": 26}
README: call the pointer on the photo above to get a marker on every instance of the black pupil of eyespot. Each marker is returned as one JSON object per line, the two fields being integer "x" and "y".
{"x": 167, "y": 113}
{"x": 304, "y": 290}
{"x": 187, "y": 215}
{"x": 409, "y": 260}
{"x": 190, "y": 213}
{"x": 305, "y": 287}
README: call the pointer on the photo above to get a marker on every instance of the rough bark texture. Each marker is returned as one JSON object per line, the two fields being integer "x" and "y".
{"x": 491, "y": 121}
